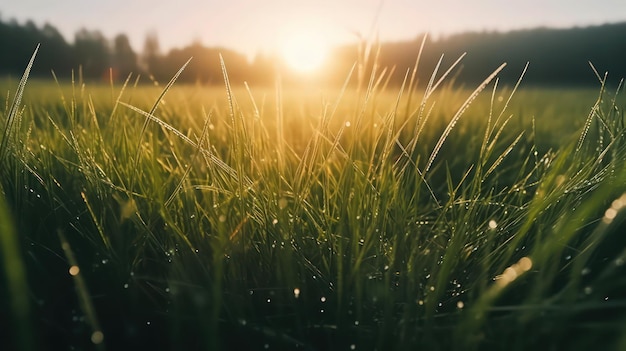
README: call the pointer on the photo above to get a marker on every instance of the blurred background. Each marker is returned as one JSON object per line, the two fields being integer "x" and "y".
{"x": 314, "y": 40}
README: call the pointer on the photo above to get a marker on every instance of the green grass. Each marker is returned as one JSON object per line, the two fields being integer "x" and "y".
{"x": 369, "y": 217}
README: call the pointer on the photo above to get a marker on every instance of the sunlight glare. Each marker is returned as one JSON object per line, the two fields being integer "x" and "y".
{"x": 304, "y": 50}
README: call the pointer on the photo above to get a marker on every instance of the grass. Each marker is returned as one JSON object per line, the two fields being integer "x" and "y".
{"x": 368, "y": 217}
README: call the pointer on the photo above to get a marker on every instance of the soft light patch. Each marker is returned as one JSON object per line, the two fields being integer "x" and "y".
{"x": 304, "y": 50}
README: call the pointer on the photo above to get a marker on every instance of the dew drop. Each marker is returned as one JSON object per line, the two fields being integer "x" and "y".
{"x": 97, "y": 337}
{"x": 74, "y": 270}
{"x": 282, "y": 203}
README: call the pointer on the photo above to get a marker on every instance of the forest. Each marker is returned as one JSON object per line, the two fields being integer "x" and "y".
{"x": 556, "y": 57}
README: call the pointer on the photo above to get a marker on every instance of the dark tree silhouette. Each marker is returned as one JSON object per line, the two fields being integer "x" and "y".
{"x": 151, "y": 55}
{"x": 92, "y": 52}
{"x": 124, "y": 58}
{"x": 205, "y": 67}
{"x": 19, "y": 41}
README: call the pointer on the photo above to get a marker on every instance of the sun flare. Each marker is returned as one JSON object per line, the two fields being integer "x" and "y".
{"x": 304, "y": 51}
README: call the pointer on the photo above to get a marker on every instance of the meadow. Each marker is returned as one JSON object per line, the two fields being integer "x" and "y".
{"x": 430, "y": 216}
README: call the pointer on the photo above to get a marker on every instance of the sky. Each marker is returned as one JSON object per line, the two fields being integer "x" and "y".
{"x": 252, "y": 26}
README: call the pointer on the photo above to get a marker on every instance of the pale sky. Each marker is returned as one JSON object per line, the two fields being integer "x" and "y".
{"x": 249, "y": 26}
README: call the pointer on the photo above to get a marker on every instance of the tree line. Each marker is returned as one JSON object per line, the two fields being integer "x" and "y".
{"x": 95, "y": 57}
{"x": 556, "y": 56}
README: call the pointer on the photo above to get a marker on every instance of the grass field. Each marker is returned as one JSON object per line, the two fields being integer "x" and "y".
{"x": 371, "y": 217}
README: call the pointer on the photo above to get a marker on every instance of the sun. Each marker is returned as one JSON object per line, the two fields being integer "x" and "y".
{"x": 304, "y": 51}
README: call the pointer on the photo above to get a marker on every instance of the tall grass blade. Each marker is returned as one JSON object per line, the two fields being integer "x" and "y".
{"x": 97, "y": 336}
{"x": 16, "y": 282}
{"x": 151, "y": 113}
{"x": 15, "y": 107}
{"x": 458, "y": 115}
{"x": 591, "y": 116}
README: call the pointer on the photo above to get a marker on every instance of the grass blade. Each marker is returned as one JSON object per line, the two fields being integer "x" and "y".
{"x": 458, "y": 115}
{"x": 15, "y": 106}
{"x": 15, "y": 274}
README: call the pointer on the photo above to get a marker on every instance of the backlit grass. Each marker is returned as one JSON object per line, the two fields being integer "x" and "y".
{"x": 368, "y": 217}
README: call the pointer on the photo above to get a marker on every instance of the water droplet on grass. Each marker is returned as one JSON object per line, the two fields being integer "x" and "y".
{"x": 74, "y": 270}
{"x": 282, "y": 203}
{"x": 97, "y": 337}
